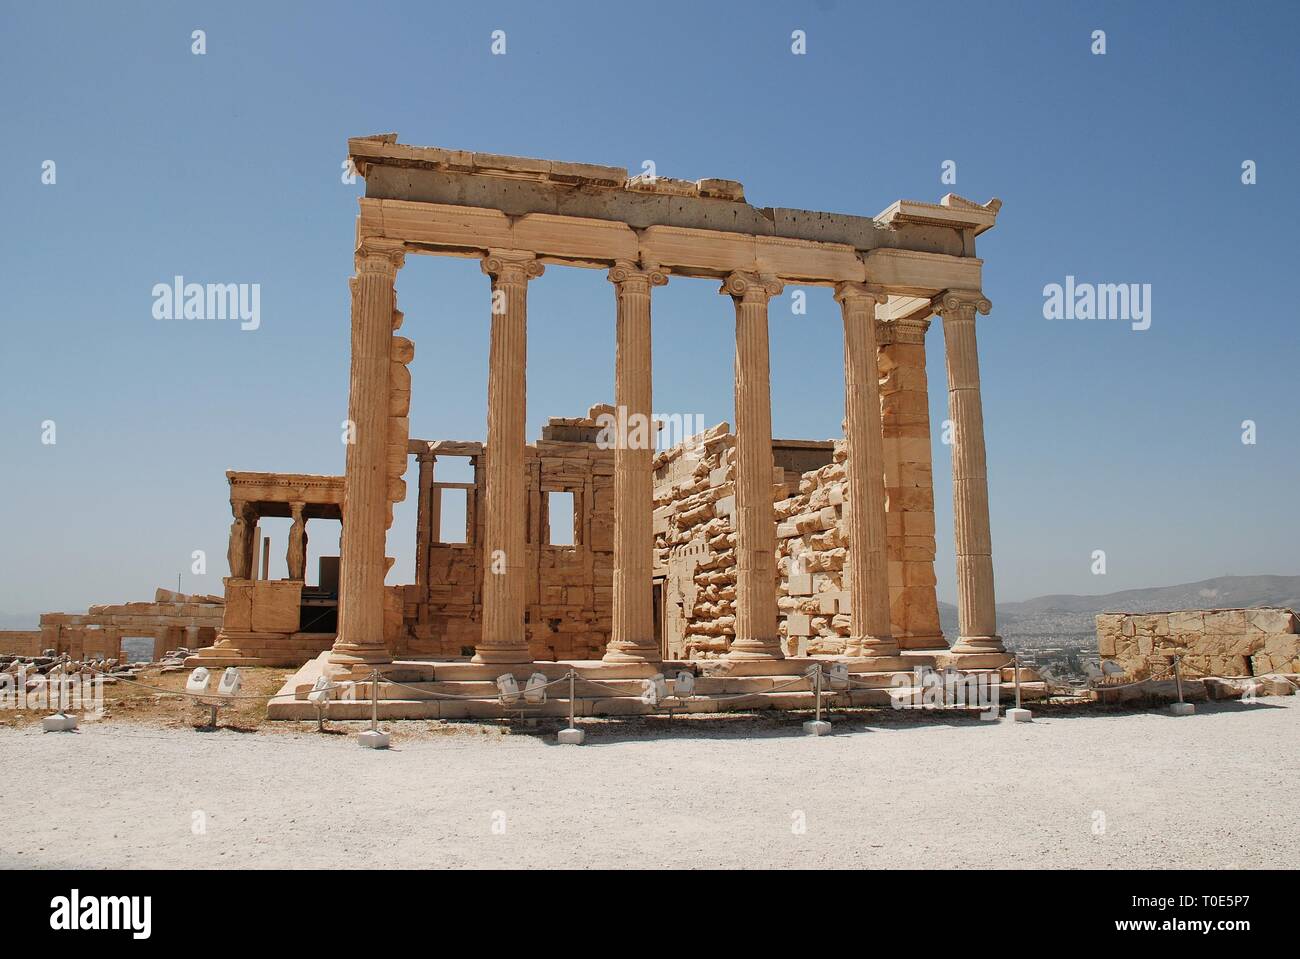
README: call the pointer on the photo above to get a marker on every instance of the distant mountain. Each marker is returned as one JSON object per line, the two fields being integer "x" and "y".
{"x": 1066, "y": 615}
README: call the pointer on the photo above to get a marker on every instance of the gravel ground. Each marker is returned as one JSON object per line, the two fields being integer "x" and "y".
{"x": 1075, "y": 788}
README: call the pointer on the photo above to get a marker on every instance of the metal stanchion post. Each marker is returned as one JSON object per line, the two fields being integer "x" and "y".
{"x": 372, "y": 738}
{"x": 1018, "y": 715}
{"x": 573, "y": 736}
{"x": 60, "y": 722}
{"x": 1180, "y": 708}
{"x": 817, "y": 726}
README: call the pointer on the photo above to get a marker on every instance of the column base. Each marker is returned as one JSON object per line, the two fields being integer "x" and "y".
{"x": 502, "y": 656}
{"x": 359, "y": 654}
{"x": 979, "y": 644}
{"x": 631, "y": 653}
{"x": 754, "y": 650}
{"x": 926, "y": 641}
{"x": 870, "y": 646}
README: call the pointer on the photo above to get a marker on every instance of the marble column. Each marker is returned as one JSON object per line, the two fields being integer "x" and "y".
{"x": 365, "y": 483}
{"x": 755, "y": 522}
{"x": 295, "y": 556}
{"x": 633, "y": 638}
{"x": 976, "y": 616}
{"x": 868, "y": 571}
{"x": 504, "y": 555}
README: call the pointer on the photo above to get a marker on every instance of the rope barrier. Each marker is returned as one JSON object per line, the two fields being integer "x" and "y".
{"x": 436, "y": 695}
{"x": 1164, "y": 674}
{"x": 572, "y": 675}
{"x": 186, "y": 693}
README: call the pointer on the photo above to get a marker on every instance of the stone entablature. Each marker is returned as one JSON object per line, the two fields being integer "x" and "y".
{"x": 527, "y": 187}
{"x": 1213, "y": 642}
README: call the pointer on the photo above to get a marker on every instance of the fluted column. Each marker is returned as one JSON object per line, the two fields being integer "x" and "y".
{"x": 869, "y": 598}
{"x": 365, "y": 482}
{"x": 633, "y": 637}
{"x": 756, "y": 634}
{"x": 504, "y": 546}
{"x": 295, "y": 557}
{"x": 976, "y": 616}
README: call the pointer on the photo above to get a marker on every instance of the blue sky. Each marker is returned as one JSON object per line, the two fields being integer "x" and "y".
{"x": 1122, "y": 168}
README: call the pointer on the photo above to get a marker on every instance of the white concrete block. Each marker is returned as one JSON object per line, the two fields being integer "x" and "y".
{"x": 1017, "y": 715}
{"x": 1182, "y": 709}
{"x": 572, "y": 737}
{"x": 59, "y": 723}
{"x": 373, "y": 739}
{"x": 816, "y": 727}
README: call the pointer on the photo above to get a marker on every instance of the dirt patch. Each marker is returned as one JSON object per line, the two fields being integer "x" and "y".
{"x": 154, "y": 698}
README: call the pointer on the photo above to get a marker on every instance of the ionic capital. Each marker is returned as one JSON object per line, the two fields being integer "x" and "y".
{"x": 848, "y": 291}
{"x": 627, "y": 277}
{"x": 514, "y": 267}
{"x": 960, "y": 304}
{"x": 379, "y": 255}
{"x": 751, "y": 287}
{"x": 908, "y": 329}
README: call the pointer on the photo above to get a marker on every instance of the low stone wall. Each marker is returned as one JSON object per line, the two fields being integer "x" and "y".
{"x": 1214, "y": 642}
{"x": 20, "y": 642}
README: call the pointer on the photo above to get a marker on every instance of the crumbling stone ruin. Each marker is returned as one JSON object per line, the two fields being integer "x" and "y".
{"x": 172, "y": 621}
{"x": 1211, "y": 642}
{"x": 671, "y": 557}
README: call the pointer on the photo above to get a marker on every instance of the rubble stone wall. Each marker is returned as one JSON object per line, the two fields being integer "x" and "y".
{"x": 695, "y": 543}
{"x": 1217, "y": 642}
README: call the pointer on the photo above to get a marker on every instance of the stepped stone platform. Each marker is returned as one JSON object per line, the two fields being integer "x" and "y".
{"x": 459, "y": 689}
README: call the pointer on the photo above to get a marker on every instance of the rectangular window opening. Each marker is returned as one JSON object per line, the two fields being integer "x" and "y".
{"x": 560, "y": 509}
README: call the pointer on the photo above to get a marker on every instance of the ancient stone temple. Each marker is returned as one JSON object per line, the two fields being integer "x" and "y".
{"x": 733, "y": 552}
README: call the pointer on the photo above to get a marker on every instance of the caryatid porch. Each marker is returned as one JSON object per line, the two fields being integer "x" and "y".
{"x": 519, "y": 216}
